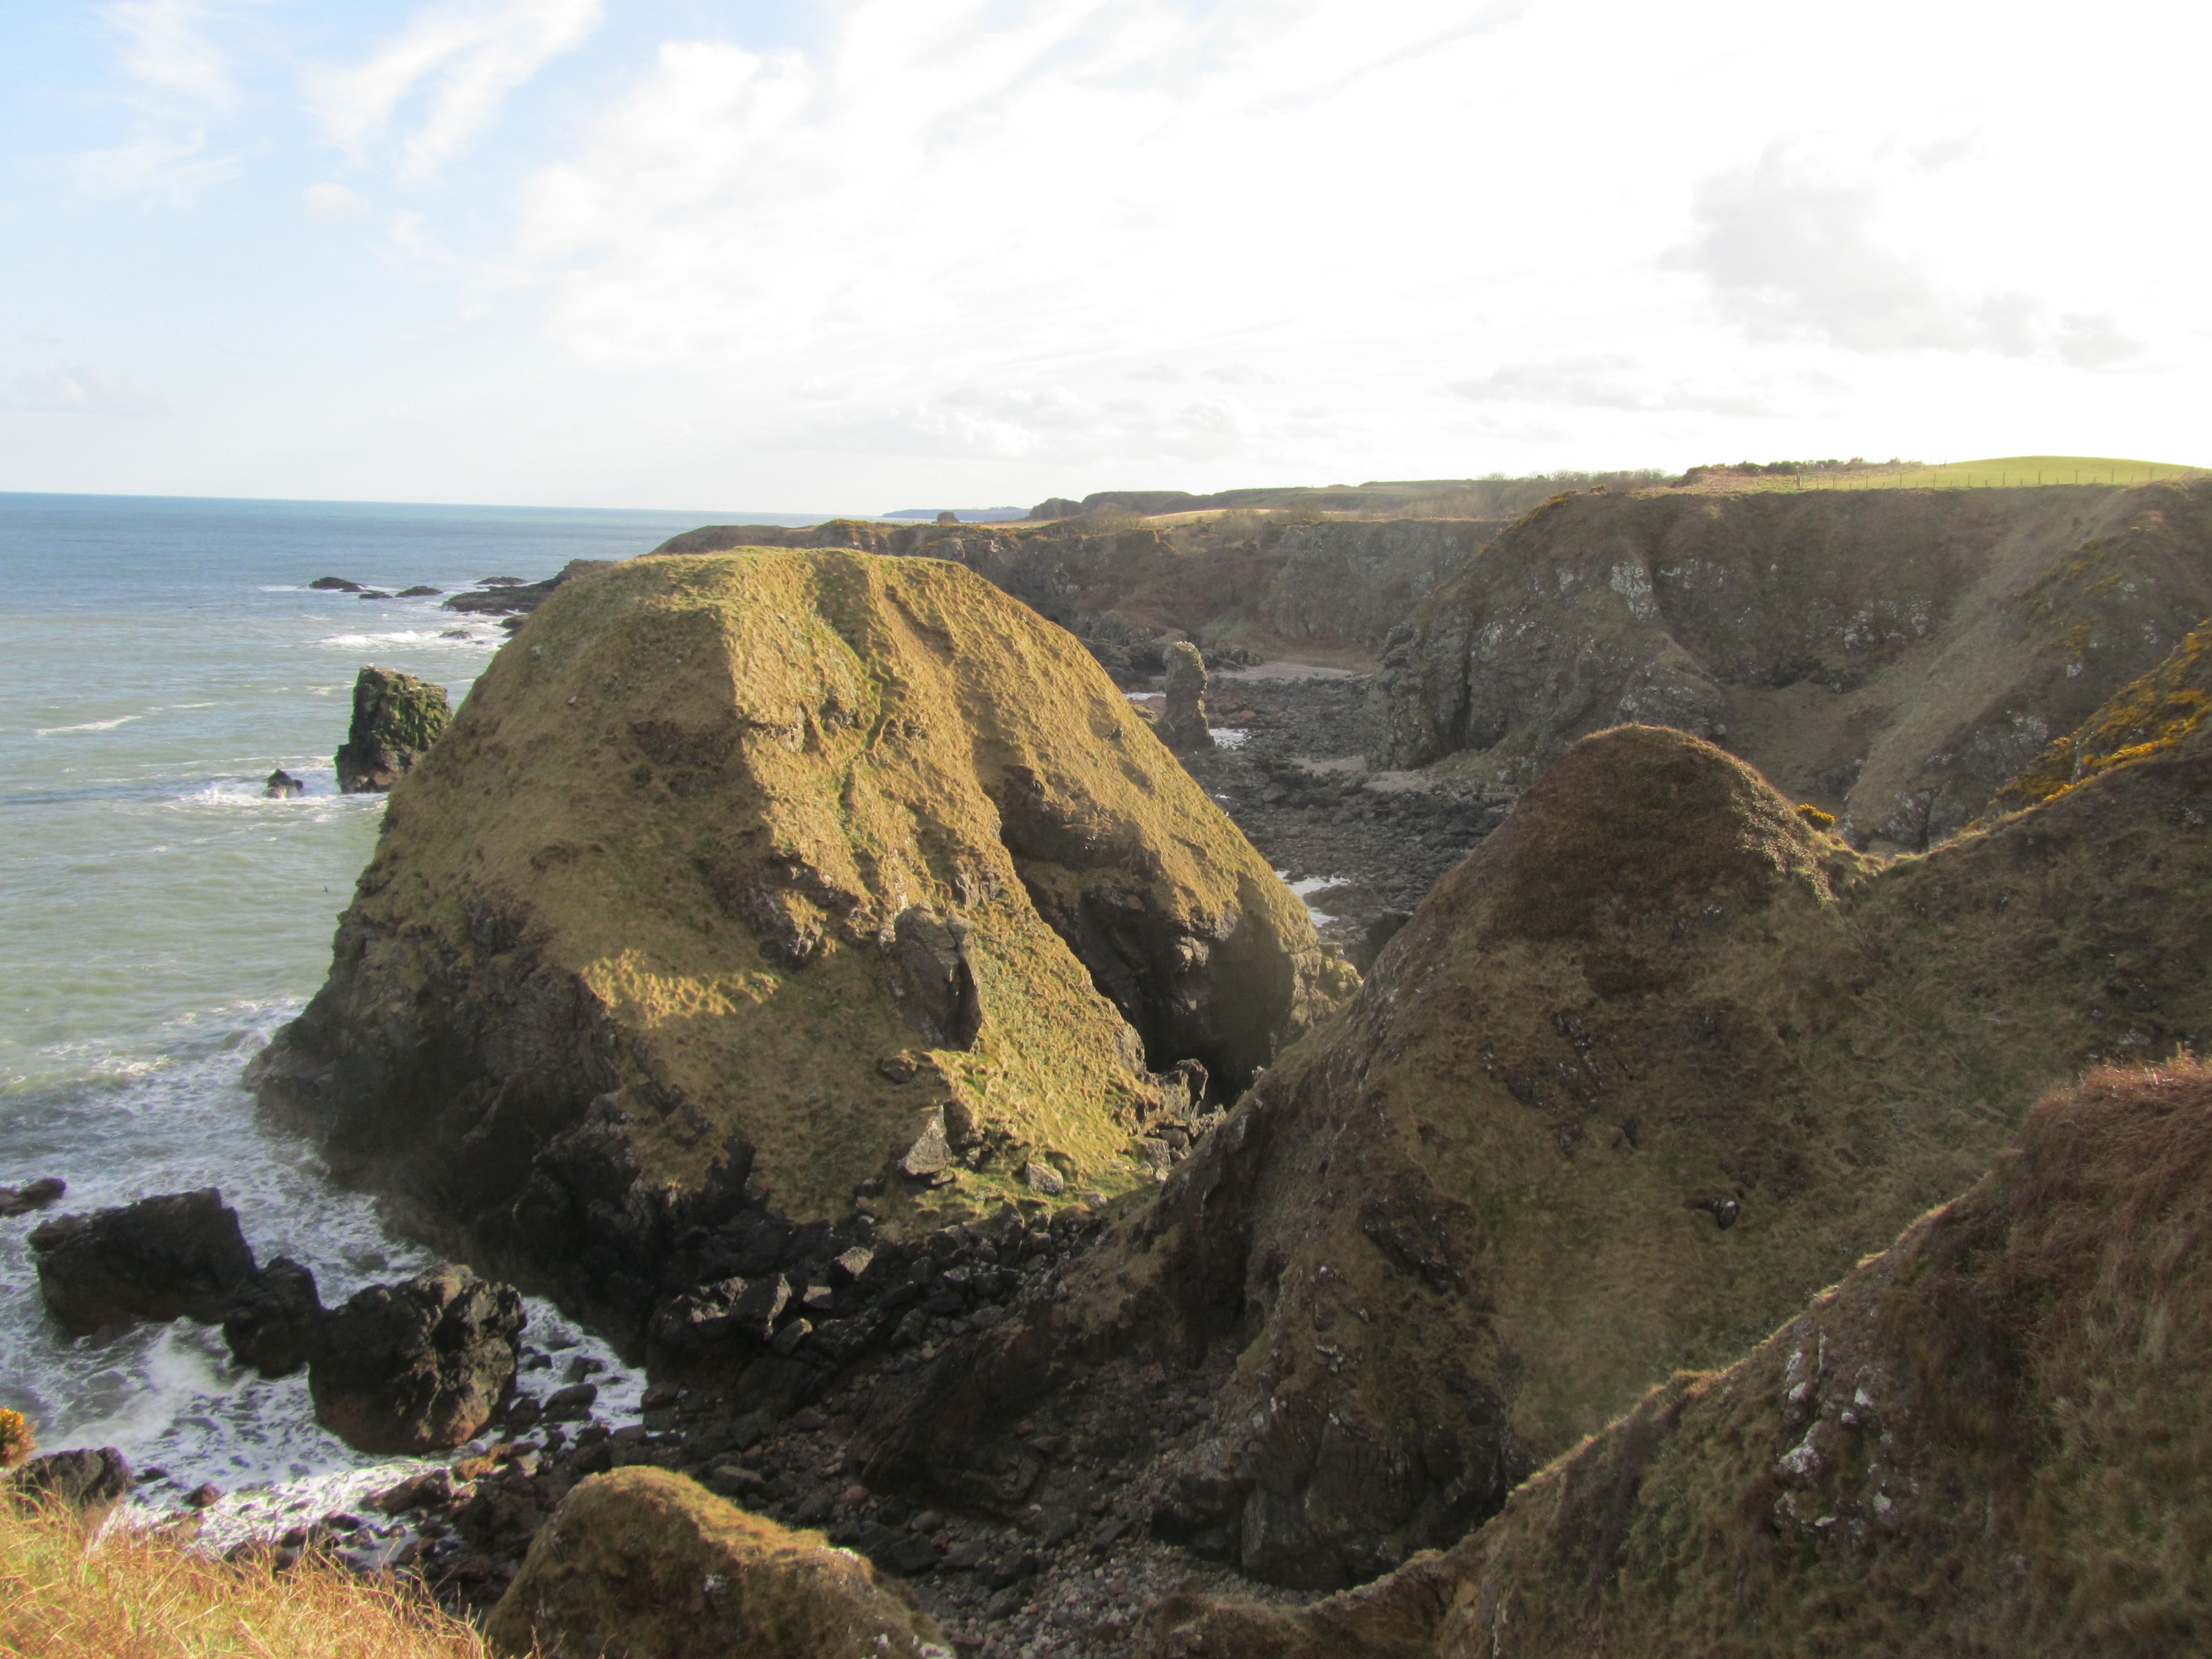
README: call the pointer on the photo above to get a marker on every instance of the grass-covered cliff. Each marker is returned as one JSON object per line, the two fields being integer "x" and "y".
{"x": 1894, "y": 655}
{"x": 1657, "y": 1060}
{"x": 763, "y": 868}
{"x": 1988, "y": 1440}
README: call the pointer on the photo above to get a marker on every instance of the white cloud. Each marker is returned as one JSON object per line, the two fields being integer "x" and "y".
{"x": 78, "y": 389}
{"x": 458, "y": 60}
{"x": 1790, "y": 250}
{"x": 168, "y": 44}
{"x": 1607, "y": 381}
{"x": 332, "y": 203}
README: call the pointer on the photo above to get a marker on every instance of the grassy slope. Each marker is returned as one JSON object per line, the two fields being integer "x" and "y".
{"x": 677, "y": 756}
{"x": 1988, "y": 1439}
{"x": 1647, "y": 993}
{"x": 2146, "y": 717}
{"x": 134, "y": 1595}
{"x": 1998, "y": 472}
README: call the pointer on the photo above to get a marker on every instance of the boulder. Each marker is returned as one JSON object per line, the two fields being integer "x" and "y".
{"x": 786, "y": 813}
{"x": 2012, "y": 1356}
{"x": 281, "y": 785}
{"x": 1895, "y": 656}
{"x": 178, "y": 1256}
{"x": 1182, "y": 724}
{"x": 335, "y": 585}
{"x": 87, "y": 1481}
{"x": 643, "y": 1564}
{"x": 31, "y": 1195}
{"x": 273, "y": 1320}
{"x": 418, "y": 1366}
{"x": 396, "y": 718}
{"x": 1656, "y": 1061}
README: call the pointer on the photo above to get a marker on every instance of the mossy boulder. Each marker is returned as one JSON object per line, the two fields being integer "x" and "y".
{"x": 1986, "y": 1439}
{"x": 746, "y": 874}
{"x": 642, "y": 1564}
{"x": 396, "y": 718}
{"x": 1892, "y": 656}
{"x": 1654, "y": 1062}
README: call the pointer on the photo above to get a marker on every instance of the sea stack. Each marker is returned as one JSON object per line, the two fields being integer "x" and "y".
{"x": 1182, "y": 716}
{"x": 396, "y": 718}
{"x": 814, "y": 879}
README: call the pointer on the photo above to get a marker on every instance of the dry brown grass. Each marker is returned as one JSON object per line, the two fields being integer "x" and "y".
{"x": 127, "y": 1595}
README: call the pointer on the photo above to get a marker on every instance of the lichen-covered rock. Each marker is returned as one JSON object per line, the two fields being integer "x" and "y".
{"x": 2015, "y": 1360}
{"x": 180, "y": 1255}
{"x": 418, "y": 1366}
{"x": 642, "y": 1564}
{"x": 396, "y": 718}
{"x": 1653, "y": 1064}
{"x": 1182, "y": 724}
{"x": 711, "y": 839}
{"x": 1895, "y": 656}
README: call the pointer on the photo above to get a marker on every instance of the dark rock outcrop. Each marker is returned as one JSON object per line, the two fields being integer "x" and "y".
{"x": 642, "y": 1564}
{"x": 1895, "y": 656}
{"x": 1182, "y": 724}
{"x": 87, "y": 1481}
{"x": 281, "y": 785}
{"x": 396, "y": 718}
{"x": 273, "y": 1320}
{"x": 1653, "y": 1064}
{"x": 417, "y": 1366}
{"x": 2014, "y": 1356}
{"x": 178, "y": 1256}
{"x": 335, "y": 585}
{"x": 507, "y": 596}
{"x": 31, "y": 1195}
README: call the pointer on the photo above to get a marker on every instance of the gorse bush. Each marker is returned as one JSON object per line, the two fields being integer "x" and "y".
{"x": 16, "y": 1442}
{"x": 66, "y": 1594}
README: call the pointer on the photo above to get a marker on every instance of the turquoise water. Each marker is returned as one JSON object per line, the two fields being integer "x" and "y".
{"x": 159, "y": 917}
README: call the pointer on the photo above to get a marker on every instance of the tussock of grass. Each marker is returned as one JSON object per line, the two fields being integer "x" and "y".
{"x": 150, "y": 1595}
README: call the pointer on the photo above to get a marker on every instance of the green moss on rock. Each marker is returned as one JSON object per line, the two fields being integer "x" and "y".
{"x": 642, "y": 1564}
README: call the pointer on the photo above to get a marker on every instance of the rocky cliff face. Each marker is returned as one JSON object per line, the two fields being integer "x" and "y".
{"x": 1979, "y": 1442}
{"x": 773, "y": 879}
{"x": 396, "y": 718}
{"x": 1893, "y": 656}
{"x": 1335, "y": 586}
{"x": 1656, "y": 1061}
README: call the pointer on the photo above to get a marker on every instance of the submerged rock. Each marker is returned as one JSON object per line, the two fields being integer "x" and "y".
{"x": 396, "y": 718}
{"x": 712, "y": 837}
{"x": 2012, "y": 1357}
{"x": 1182, "y": 715}
{"x": 178, "y": 1256}
{"x": 418, "y": 1366}
{"x": 1655, "y": 1062}
{"x": 643, "y": 1564}
{"x": 281, "y": 785}
{"x": 31, "y": 1195}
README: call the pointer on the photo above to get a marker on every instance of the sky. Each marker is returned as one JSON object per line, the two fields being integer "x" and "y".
{"x": 860, "y": 255}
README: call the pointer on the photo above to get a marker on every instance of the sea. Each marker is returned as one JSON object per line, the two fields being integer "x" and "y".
{"x": 160, "y": 916}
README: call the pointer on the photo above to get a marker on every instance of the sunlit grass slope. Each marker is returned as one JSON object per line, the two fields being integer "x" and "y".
{"x": 140, "y": 1596}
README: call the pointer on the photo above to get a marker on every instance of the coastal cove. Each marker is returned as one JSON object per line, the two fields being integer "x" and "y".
{"x": 164, "y": 917}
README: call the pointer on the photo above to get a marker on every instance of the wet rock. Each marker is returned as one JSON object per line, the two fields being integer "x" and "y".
{"x": 572, "y": 1404}
{"x": 1182, "y": 724}
{"x": 396, "y": 718}
{"x": 180, "y": 1254}
{"x": 430, "y": 1490}
{"x": 643, "y": 1563}
{"x": 281, "y": 785}
{"x": 420, "y": 591}
{"x": 335, "y": 585}
{"x": 272, "y": 1319}
{"x": 418, "y": 1366}
{"x": 203, "y": 1496}
{"x": 84, "y": 1481}
{"x": 31, "y": 1195}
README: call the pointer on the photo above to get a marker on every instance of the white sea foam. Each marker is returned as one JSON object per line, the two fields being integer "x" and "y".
{"x": 89, "y": 726}
{"x": 1229, "y": 737}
